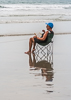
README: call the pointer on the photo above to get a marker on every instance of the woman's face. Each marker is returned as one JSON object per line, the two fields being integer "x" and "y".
{"x": 48, "y": 27}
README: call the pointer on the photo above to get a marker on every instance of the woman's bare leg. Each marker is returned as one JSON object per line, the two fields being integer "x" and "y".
{"x": 33, "y": 47}
{"x": 34, "y": 44}
{"x": 30, "y": 44}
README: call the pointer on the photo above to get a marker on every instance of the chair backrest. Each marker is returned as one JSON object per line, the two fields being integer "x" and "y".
{"x": 49, "y": 39}
{"x": 50, "y": 36}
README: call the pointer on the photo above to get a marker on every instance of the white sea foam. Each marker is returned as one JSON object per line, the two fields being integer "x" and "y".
{"x": 34, "y": 13}
{"x": 33, "y": 6}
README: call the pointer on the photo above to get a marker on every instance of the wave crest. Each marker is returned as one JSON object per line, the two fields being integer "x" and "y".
{"x": 35, "y": 7}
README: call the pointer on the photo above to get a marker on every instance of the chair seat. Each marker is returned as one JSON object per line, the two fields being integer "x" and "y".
{"x": 46, "y": 43}
{"x": 49, "y": 40}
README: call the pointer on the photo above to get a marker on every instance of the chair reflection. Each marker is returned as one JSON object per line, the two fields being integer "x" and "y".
{"x": 45, "y": 65}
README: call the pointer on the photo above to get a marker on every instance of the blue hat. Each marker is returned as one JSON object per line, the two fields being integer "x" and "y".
{"x": 50, "y": 24}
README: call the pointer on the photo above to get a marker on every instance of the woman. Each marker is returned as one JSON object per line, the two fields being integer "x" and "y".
{"x": 42, "y": 39}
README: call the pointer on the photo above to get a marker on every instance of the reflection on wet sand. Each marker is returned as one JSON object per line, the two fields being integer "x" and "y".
{"x": 46, "y": 68}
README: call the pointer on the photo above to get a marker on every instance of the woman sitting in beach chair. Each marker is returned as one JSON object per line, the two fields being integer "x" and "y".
{"x": 43, "y": 40}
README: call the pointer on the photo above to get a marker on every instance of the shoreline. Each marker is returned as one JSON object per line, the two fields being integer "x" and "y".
{"x": 6, "y": 35}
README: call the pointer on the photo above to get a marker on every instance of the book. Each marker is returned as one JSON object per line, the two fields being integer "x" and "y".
{"x": 38, "y": 34}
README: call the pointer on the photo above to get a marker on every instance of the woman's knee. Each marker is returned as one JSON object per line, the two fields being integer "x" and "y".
{"x": 34, "y": 36}
{"x": 31, "y": 39}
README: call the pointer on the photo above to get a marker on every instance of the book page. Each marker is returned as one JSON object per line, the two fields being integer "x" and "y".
{"x": 38, "y": 34}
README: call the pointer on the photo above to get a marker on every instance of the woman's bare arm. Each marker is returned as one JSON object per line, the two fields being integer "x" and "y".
{"x": 44, "y": 36}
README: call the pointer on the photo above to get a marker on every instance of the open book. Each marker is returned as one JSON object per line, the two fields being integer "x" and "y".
{"x": 38, "y": 34}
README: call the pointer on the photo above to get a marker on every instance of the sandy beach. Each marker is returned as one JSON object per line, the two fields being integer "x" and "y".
{"x": 39, "y": 76}
{"x": 20, "y": 80}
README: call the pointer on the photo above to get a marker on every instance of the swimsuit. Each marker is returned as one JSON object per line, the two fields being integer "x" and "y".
{"x": 40, "y": 41}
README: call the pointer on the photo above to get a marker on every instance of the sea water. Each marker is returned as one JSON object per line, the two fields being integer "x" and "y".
{"x": 27, "y": 11}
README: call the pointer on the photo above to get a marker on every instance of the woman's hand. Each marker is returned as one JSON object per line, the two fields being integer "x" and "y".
{"x": 43, "y": 31}
{"x": 34, "y": 33}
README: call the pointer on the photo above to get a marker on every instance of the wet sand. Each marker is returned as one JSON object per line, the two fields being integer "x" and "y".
{"x": 21, "y": 78}
{"x": 30, "y": 28}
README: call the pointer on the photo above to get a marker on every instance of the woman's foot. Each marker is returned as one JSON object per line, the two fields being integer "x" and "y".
{"x": 28, "y": 52}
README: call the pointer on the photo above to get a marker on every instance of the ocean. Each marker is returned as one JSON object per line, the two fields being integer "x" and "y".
{"x": 35, "y": 1}
{"x": 30, "y": 11}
